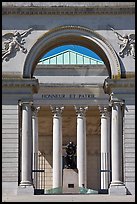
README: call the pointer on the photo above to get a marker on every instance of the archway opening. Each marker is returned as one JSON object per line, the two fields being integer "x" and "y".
{"x": 77, "y": 41}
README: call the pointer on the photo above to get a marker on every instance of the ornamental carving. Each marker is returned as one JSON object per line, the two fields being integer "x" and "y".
{"x": 12, "y": 43}
{"x": 127, "y": 44}
{"x": 57, "y": 110}
{"x": 81, "y": 111}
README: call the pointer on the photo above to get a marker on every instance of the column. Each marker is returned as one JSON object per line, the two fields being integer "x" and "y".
{"x": 57, "y": 146}
{"x": 105, "y": 147}
{"x": 35, "y": 142}
{"x": 81, "y": 146}
{"x": 26, "y": 157}
{"x": 117, "y": 186}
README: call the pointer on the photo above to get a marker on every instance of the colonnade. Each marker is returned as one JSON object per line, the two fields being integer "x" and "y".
{"x": 111, "y": 149}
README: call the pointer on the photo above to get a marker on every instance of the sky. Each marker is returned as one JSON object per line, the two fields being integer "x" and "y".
{"x": 77, "y": 48}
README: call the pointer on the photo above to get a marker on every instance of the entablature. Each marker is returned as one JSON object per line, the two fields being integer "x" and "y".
{"x": 119, "y": 86}
{"x": 68, "y": 8}
{"x": 20, "y": 83}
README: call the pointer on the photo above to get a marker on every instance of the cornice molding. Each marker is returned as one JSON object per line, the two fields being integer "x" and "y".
{"x": 71, "y": 10}
{"x": 110, "y": 84}
{"x": 121, "y": 82}
{"x": 21, "y": 83}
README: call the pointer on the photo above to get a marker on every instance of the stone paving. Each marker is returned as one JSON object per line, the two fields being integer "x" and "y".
{"x": 68, "y": 198}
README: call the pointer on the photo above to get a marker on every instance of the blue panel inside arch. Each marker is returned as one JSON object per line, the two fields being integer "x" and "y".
{"x": 70, "y": 54}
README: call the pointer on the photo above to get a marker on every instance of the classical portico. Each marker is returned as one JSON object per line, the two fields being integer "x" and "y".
{"x": 109, "y": 112}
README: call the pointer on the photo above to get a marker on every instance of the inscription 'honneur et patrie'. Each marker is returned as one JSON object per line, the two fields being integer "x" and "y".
{"x": 67, "y": 96}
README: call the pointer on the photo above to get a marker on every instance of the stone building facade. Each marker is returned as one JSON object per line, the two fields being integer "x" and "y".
{"x": 46, "y": 107}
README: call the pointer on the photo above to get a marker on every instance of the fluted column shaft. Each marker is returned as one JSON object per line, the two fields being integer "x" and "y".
{"x": 105, "y": 147}
{"x": 81, "y": 146}
{"x": 57, "y": 146}
{"x": 117, "y": 187}
{"x": 26, "y": 158}
{"x": 116, "y": 143}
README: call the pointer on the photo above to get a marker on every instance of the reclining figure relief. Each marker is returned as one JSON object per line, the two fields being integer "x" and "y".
{"x": 13, "y": 42}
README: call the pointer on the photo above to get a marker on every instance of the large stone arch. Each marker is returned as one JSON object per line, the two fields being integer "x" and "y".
{"x": 73, "y": 35}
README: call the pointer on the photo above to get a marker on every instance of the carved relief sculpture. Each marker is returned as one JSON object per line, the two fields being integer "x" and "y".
{"x": 13, "y": 42}
{"x": 128, "y": 44}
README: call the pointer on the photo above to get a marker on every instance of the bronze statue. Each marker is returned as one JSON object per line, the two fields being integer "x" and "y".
{"x": 70, "y": 162}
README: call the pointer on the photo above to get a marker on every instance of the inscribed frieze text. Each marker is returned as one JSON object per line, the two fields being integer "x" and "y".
{"x": 67, "y": 96}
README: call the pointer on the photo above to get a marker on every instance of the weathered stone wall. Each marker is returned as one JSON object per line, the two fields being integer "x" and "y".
{"x": 10, "y": 143}
{"x": 129, "y": 148}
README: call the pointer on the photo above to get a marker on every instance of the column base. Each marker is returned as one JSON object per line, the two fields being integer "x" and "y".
{"x": 117, "y": 189}
{"x": 26, "y": 183}
{"x": 24, "y": 189}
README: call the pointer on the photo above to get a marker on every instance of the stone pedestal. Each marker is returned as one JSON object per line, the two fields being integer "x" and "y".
{"x": 116, "y": 189}
{"x": 70, "y": 181}
{"x": 25, "y": 190}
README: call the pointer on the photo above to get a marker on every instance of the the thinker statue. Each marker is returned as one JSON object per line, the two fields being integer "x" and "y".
{"x": 70, "y": 162}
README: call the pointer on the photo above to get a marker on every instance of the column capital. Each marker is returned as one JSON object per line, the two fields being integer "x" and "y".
{"x": 115, "y": 101}
{"x": 57, "y": 110}
{"x": 21, "y": 103}
{"x": 81, "y": 110}
{"x": 35, "y": 110}
{"x": 104, "y": 111}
